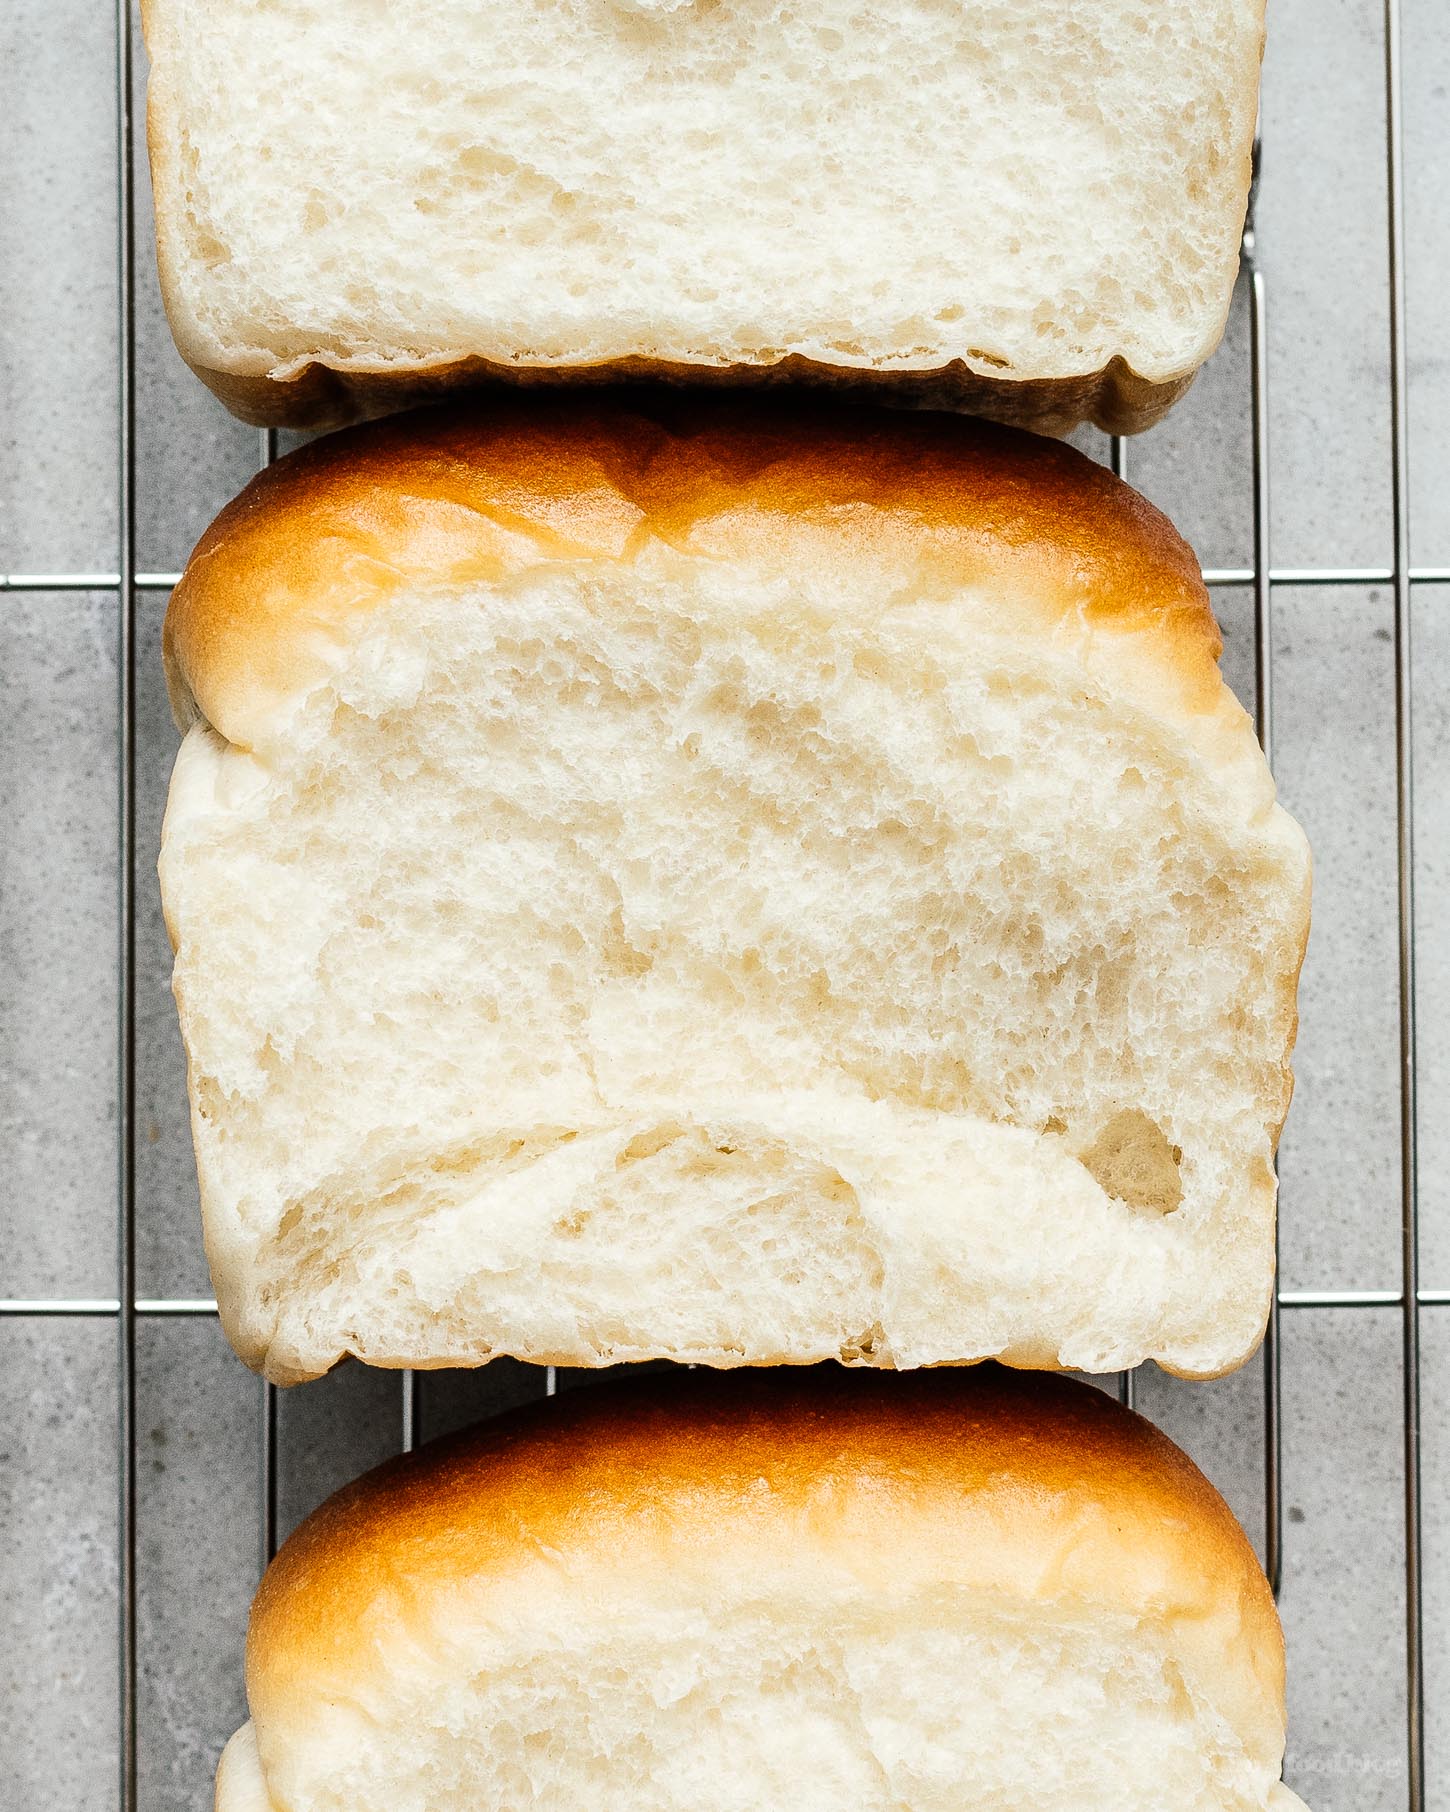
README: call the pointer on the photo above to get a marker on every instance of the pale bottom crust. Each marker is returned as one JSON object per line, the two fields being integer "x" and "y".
{"x": 320, "y": 395}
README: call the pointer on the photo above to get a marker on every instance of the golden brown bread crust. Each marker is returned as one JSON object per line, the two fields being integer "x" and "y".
{"x": 446, "y": 496}
{"x": 1036, "y": 1488}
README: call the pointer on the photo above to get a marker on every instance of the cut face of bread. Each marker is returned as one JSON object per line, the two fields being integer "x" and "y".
{"x": 943, "y": 1700}
{"x": 727, "y": 888}
{"x": 1034, "y": 205}
{"x": 896, "y": 1596}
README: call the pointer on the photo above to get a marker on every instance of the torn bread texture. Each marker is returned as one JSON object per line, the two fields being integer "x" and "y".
{"x": 727, "y": 885}
{"x": 1032, "y": 207}
{"x": 961, "y": 1589}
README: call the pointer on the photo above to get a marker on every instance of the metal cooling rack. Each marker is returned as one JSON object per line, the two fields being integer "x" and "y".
{"x": 126, "y": 1308}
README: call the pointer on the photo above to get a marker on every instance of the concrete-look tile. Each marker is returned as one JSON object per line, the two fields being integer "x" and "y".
{"x": 339, "y": 1426}
{"x": 199, "y": 1516}
{"x": 328, "y": 1432}
{"x": 59, "y": 1656}
{"x": 1334, "y": 755}
{"x": 1435, "y": 1550}
{"x": 169, "y": 1256}
{"x": 58, "y": 943}
{"x": 1343, "y": 1597}
{"x": 1220, "y": 1425}
{"x": 1427, "y": 258}
{"x": 1430, "y": 643}
{"x": 191, "y": 455}
{"x": 58, "y": 314}
{"x": 453, "y": 1400}
{"x": 290, "y": 440}
{"x": 1233, "y": 605}
{"x": 1092, "y": 442}
{"x": 1321, "y": 243}
{"x": 1197, "y": 464}
{"x": 585, "y": 1377}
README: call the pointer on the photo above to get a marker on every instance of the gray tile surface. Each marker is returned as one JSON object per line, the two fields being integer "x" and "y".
{"x": 1427, "y": 228}
{"x": 1343, "y": 1594}
{"x": 1321, "y": 234}
{"x": 198, "y": 1557}
{"x": 1233, "y": 605}
{"x": 331, "y": 1430}
{"x": 1195, "y": 465}
{"x": 1322, "y": 247}
{"x": 192, "y": 456}
{"x": 1432, "y": 912}
{"x": 453, "y": 1400}
{"x": 58, "y": 367}
{"x": 1435, "y": 1372}
{"x": 58, "y": 944}
{"x": 58, "y": 1677}
{"x": 1334, "y": 754}
{"x": 1220, "y": 1425}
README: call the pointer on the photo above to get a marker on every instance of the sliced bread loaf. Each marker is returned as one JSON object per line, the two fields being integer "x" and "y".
{"x": 723, "y": 885}
{"x": 1032, "y": 207}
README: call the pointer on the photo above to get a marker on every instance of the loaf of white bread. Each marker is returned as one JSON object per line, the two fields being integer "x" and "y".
{"x": 806, "y": 1590}
{"x": 722, "y": 884}
{"x": 1029, "y": 206}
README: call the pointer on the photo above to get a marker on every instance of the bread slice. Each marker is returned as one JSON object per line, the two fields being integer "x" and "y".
{"x": 809, "y": 1590}
{"x": 1029, "y": 206}
{"x": 723, "y": 885}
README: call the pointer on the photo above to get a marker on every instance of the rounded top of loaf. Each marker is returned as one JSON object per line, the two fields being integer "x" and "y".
{"x": 1040, "y": 1493}
{"x": 1026, "y": 534}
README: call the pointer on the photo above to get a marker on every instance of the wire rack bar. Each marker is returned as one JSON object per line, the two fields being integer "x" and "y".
{"x": 126, "y": 903}
{"x": 104, "y": 1307}
{"x": 84, "y": 581}
{"x": 1264, "y": 724}
{"x": 1324, "y": 575}
{"x": 1405, "y": 852}
{"x": 1216, "y": 577}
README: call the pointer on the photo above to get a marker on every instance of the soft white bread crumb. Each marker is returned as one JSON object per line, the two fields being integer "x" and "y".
{"x": 893, "y": 1595}
{"x": 1040, "y": 199}
{"x": 733, "y": 887}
